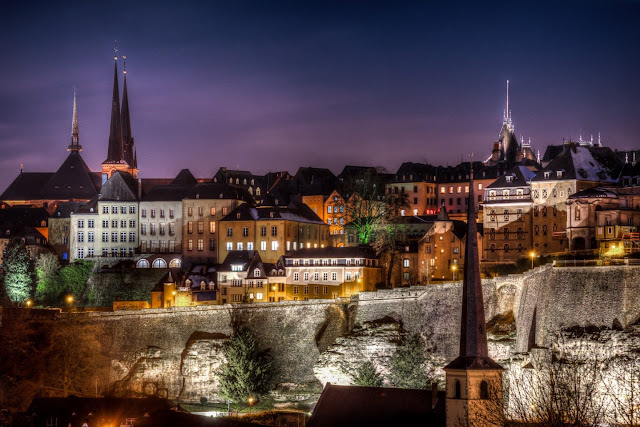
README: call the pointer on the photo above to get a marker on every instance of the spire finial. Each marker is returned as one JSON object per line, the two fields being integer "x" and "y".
{"x": 115, "y": 50}
{"x": 508, "y": 109}
{"x": 21, "y": 167}
{"x": 538, "y": 157}
{"x": 626, "y": 158}
{"x": 124, "y": 64}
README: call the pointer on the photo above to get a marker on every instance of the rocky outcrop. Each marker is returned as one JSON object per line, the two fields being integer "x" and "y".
{"x": 201, "y": 360}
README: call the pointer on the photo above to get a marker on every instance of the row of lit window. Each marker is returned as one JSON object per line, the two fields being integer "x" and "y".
{"x": 114, "y": 209}
{"x": 458, "y": 189}
{"x": 122, "y": 252}
{"x": 325, "y": 276}
{"x": 153, "y": 229}
{"x": 105, "y": 237}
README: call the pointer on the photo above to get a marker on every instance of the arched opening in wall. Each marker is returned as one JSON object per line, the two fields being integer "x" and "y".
{"x": 159, "y": 263}
{"x": 175, "y": 263}
{"x": 142, "y": 263}
{"x": 458, "y": 390}
{"x": 579, "y": 244}
{"x": 484, "y": 390}
{"x": 593, "y": 243}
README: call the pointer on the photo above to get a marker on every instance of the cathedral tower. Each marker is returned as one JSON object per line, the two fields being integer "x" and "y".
{"x": 120, "y": 154}
{"x": 473, "y": 379}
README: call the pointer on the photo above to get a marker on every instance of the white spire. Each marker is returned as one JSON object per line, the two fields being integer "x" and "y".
{"x": 538, "y": 157}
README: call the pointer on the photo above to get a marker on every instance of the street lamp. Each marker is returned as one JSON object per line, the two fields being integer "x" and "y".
{"x": 250, "y": 403}
{"x": 532, "y": 255}
{"x": 454, "y": 268}
{"x": 28, "y": 303}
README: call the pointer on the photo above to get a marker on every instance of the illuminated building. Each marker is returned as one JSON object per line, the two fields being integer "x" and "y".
{"x": 577, "y": 168}
{"x": 242, "y": 278}
{"x": 606, "y": 219}
{"x": 203, "y": 209}
{"x": 272, "y": 231}
{"x": 334, "y": 212}
{"x": 441, "y": 250}
{"x": 473, "y": 379}
{"x": 418, "y": 182}
{"x": 331, "y": 272}
{"x": 507, "y": 216}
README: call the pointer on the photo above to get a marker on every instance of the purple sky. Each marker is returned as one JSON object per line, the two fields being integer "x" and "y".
{"x": 273, "y": 85}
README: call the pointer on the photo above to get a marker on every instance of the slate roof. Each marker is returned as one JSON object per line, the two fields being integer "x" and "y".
{"x": 212, "y": 190}
{"x": 300, "y": 213}
{"x": 245, "y": 258}
{"x": 121, "y": 186}
{"x": 416, "y": 172}
{"x": 521, "y": 177}
{"x": 312, "y": 181}
{"x": 65, "y": 209}
{"x": 583, "y": 163}
{"x": 184, "y": 177}
{"x": 72, "y": 180}
{"x": 361, "y": 406}
{"x": 335, "y": 252}
{"x": 594, "y": 193}
{"x": 26, "y": 186}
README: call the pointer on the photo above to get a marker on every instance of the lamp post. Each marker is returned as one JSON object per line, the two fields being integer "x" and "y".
{"x": 251, "y": 400}
{"x": 532, "y": 255}
{"x": 28, "y": 303}
{"x": 454, "y": 268}
{"x": 273, "y": 288}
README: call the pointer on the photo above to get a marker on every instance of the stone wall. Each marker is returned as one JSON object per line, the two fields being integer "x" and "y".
{"x": 176, "y": 352}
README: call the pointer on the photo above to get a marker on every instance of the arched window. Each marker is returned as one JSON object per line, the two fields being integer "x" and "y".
{"x": 159, "y": 263}
{"x": 484, "y": 390}
{"x": 458, "y": 391}
{"x": 175, "y": 263}
{"x": 142, "y": 263}
{"x": 256, "y": 272}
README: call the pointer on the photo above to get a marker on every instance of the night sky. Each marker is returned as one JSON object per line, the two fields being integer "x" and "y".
{"x": 274, "y": 85}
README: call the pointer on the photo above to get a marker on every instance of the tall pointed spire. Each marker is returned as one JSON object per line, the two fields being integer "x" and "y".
{"x": 114, "y": 153}
{"x": 127, "y": 139}
{"x": 473, "y": 334}
{"x": 75, "y": 133}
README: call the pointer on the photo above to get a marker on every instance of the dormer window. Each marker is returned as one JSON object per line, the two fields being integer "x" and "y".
{"x": 559, "y": 174}
{"x": 236, "y": 267}
{"x": 238, "y": 215}
{"x": 256, "y": 272}
{"x": 509, "y": 178}
{"x": 270, "y": 214}
{"x": 547, "y": 175}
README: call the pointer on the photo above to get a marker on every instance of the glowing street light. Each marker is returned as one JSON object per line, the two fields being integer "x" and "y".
{"x": 454, "y": 268}
{"x": 28, "y": 303}
{"x": 70, "y": 299}
{"x": 532, "y": 255}
{"x": 250, "y": 400}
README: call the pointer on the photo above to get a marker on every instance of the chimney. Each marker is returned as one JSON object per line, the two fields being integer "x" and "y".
{"x": 139, "y": 189}
{"x": 434, "y": 394}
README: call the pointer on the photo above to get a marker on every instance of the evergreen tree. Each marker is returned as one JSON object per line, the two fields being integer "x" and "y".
{"x": 17, "y": 269}
{"x": 248, "y": 370}
{"x": 409, "y": 367}
{"x": 49, "y": 285}
{"x": 366, "y": 375}
{"x": 75, "y": 276}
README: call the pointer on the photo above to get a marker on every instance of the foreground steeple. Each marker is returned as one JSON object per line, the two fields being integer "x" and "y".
{"x": 474, "y": 380}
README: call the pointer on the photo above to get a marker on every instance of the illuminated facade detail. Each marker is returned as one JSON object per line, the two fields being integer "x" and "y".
{"x": 507, "y": 217}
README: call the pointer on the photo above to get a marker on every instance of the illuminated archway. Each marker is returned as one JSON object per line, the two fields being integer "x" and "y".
{"x": 159, "y": 263}
{"x": 175, "y": 263}
{"x": 142, "y": 263}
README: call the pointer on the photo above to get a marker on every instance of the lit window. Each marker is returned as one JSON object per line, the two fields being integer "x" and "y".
{"x": 274, "y": 245}
{"x": 405, "y": 263}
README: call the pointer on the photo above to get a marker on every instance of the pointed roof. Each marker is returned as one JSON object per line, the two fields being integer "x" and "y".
{"x": 442, "y": 214}
{"x": 72, "y": 180}
{"x": 75, "y": 144}
{"x": 474, "y": 353}
{"x": 114, "y": 153}
{"x": 121, "y": 186}
{"x": 184, "y": 177}
{"x": 127, "y": 138}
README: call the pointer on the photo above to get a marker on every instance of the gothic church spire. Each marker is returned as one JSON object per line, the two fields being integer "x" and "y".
{"x": 75, "y": 141}
{"x": 114, "y": 153}
{"x": 127, "y": 138}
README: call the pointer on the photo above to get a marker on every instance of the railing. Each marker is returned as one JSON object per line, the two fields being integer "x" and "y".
{"x": 594, "y": 262}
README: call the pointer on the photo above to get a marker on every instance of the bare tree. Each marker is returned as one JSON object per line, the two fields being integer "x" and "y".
{"x": 622, "y": 388}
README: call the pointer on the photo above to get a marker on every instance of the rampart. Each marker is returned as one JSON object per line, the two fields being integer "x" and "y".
{"x": 172, "y": 352}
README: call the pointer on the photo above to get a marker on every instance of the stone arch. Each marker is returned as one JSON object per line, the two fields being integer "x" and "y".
{"x": 142, "y": 263}
{"x": 175, "y": 263}
{"x": 579, "y": 244}
{"x": 159, "y": 263}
